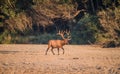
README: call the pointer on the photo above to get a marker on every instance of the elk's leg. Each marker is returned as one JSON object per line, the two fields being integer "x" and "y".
{"x": 46, "y": 51}
{"x": 58, "y": 51}
{"x": 52, "y": 51}
{"x": 63, "y": 50}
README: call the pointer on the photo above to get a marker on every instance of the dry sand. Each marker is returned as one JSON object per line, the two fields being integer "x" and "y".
{"x": 78, "y": 59}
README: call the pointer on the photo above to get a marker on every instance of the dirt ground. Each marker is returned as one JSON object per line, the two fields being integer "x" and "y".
{"x": 78, "y": 59}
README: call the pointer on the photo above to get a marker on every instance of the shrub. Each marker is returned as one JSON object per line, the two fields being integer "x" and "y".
{"x": 86, "y": 30}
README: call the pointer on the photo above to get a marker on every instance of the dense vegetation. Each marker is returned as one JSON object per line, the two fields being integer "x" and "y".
{"x": 37, "y": 21}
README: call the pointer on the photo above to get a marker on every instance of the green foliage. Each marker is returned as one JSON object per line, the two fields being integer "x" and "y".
{"x": 111, "y": 28}
{"x": 19, "y": 23}
{"x": 5, "y": 37}
{"x": 8, "y": 7}
{"x": 106, "y": 2}
{"x": 21, "y": 18}
{"x": 86, "y": 30}
{"x": 65, "y": 1}
{"x": 41, "y": 39}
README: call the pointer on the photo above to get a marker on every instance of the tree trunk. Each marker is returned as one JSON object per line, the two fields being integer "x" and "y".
{"x": 92, "y": 4}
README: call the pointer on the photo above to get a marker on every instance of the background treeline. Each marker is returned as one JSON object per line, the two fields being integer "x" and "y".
{"x": 37, "y": 21}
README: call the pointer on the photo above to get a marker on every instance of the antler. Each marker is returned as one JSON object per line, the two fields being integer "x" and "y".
{"x": 62, "y": 33}
{"x": 68, "y": 34}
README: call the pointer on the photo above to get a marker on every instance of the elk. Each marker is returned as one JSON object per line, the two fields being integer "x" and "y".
{"x": 59, "y": 43}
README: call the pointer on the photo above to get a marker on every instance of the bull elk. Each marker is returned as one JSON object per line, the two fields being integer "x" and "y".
{"x": 59, "y": 43}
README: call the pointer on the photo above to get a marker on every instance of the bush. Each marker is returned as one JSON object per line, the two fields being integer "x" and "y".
{"x": 85, "y": 30}
{"x": 5, "y": 37}
{"x": 109, "y": 44}
{"x": 35, "y": 39}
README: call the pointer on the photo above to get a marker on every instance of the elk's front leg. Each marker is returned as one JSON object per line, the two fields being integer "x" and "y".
{"x": 52, "y": 51}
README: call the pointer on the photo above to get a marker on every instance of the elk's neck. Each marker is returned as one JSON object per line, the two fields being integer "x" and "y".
{"x": 64, "y": 42}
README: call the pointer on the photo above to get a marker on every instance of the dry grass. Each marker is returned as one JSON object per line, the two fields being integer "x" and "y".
{"x": 78, "y": 59}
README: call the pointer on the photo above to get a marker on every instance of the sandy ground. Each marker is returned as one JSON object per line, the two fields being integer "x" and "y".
{"x": 78, "y": 59}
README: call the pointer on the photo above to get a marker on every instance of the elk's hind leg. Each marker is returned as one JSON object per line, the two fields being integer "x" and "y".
{"x": 47, "y": 50}
{"x": 63, "y": 50}
{"x": 58, "y": 51}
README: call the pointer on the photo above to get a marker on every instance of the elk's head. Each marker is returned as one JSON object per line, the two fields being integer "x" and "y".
{"x": 63, "y": 33}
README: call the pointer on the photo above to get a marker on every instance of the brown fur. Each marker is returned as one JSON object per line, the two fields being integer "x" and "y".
{"x": 56, "y": 44}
